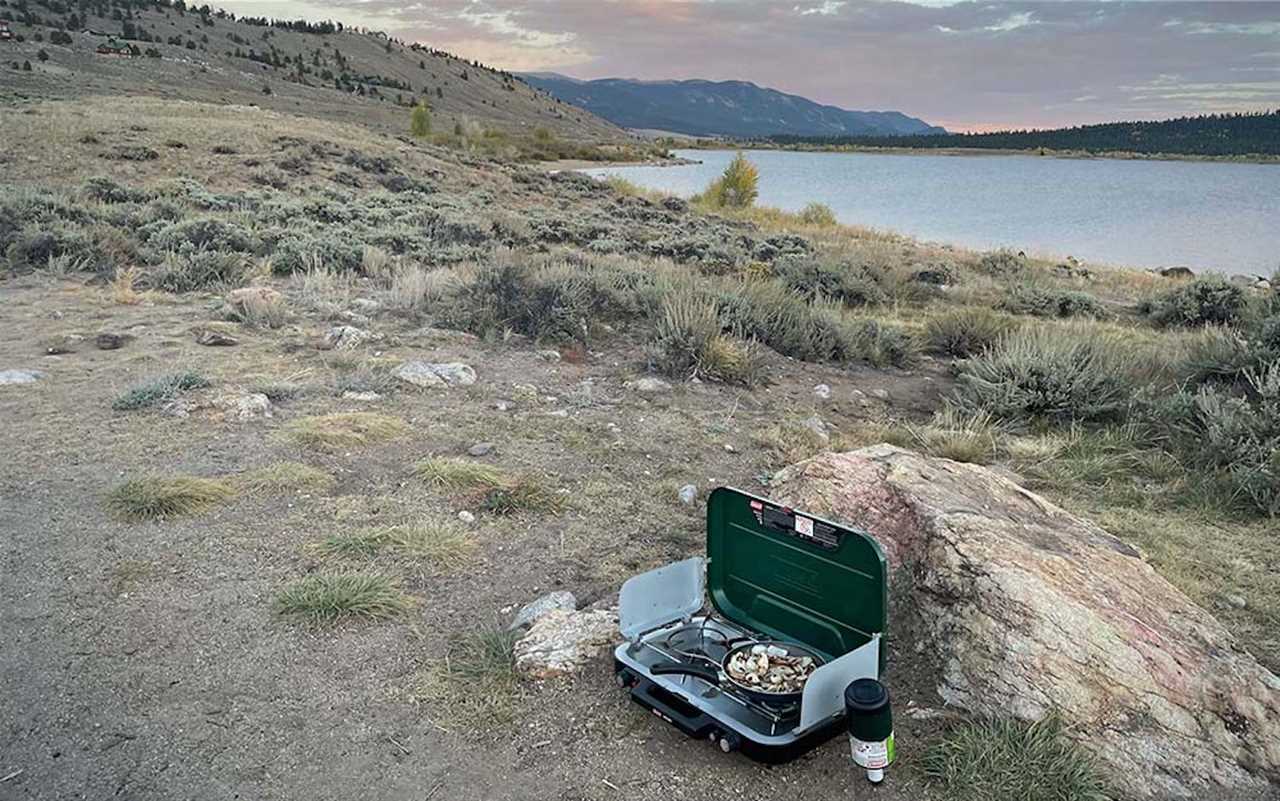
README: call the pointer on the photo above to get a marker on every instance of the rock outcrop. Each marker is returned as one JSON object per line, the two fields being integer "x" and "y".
{"x": 560, "y": 642}
{"x": 427, "y": 375}
{"x": 1033, "y": 609}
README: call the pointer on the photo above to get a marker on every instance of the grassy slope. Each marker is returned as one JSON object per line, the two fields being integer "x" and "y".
{"x": 208, "y": 74}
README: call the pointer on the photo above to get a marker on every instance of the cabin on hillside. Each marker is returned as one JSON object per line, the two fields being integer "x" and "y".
{"x": 114, "y": 47}
{"x": 6, "y": 33}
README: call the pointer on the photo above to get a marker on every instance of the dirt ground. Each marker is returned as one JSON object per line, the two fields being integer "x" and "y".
{"x": 146, "y": 661}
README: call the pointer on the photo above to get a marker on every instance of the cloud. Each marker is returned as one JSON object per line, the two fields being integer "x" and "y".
{"x": 826, "y": 9}
{"x": 1012, "y": 22}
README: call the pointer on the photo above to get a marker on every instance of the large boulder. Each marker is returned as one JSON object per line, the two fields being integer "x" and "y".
{"x": 1032, "y": 609}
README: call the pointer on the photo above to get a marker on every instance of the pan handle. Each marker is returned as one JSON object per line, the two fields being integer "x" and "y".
{"x": 701, "y": 671}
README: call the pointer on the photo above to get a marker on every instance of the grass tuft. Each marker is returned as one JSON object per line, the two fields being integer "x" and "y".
{"x": 1007, "y": 760}
{"x": 154, "y": 498}
{"x": 158, "y": 390}
{"x": 444, "y": 546}
{"x": 285, "y": 477}
{"x": 476, "y": 682}
{"x": 327, "y": 598}
{"x": 344, "y": 430}
{"x": 459, "y": 474}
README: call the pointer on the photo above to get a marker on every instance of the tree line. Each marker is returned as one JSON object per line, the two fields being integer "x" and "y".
{"x": 1208, "y": 135}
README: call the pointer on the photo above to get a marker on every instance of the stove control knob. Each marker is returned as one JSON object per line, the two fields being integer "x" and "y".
{"x": 624, "y": 679}
{"x": 729, "y": 742}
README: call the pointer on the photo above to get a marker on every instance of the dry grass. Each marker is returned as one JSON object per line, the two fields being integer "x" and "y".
{"x": 443, "y": 546}
{"x": 122, "y": 287}
{"x": 328, "y": 598}
{"x": 459, "y": 474}
{"x": 344, "y": 430}
{"x": 475, "y": 684}
{"x": 156, "y": 497}
{"x": 285, "y": 477}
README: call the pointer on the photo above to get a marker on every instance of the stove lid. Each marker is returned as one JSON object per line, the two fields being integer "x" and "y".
{"x": 654, "y": 599}
{"x": 794, "y": 576}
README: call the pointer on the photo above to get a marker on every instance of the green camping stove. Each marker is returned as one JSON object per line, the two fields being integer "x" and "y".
{"x": 772, "y": 574}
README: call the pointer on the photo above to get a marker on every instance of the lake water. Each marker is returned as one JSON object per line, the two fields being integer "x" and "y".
{"x": 1205, "y": 215}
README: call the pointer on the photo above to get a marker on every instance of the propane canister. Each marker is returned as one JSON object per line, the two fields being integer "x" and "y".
{"x": 870, "y": 721}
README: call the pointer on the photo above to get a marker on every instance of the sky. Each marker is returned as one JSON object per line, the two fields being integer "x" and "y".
{"x": 966, "y": 65}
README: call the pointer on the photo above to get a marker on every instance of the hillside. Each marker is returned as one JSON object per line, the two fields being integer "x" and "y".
{"x": 322, "y": 70}
{"x": 720, "y": 108}
{"x": 1208, "y": 135}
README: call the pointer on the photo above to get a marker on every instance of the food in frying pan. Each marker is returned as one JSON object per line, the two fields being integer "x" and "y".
{"x": 771, "y": 669}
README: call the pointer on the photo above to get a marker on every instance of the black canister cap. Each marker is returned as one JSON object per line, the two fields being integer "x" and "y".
{"x": 866, "y": 696}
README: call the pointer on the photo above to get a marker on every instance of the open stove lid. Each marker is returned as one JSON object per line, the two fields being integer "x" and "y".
{"x": 794, "y": 576}
{"x": 654, "y": 599}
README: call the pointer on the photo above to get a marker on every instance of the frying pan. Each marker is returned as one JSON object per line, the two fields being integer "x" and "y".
{"x": 720, "y": 676}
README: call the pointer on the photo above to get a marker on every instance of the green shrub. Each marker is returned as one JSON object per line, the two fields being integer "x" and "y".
{"x": 842, "y": 282}
{"x": 736, "y": 188}
{"x": 1219, "y": 354}
{"x": 818, "y": 214}
{"x": 203, "y": 233}
{"x": 196, "y": 270}
{"x": 967, "y": 331}
{"x": 1052, "y": 303}
{"x": 299, "y": 252}
{"x": 883, "y": 345}
{"x": 1208, "y": 300}
{"x": 1048, "y": 373}
{"x": 1008, "y": 760}
{"x": 326, "y": 598}
{"x": 420, "y": 121}
{"x": 1234, "y": 439}
{"x": 688, "y": 342}
{"x": 169, "y": 496}
{"x": 1003, "y": 263}
{"x": 107, "y": 190}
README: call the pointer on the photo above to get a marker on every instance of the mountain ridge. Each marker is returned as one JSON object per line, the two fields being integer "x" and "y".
{"x": 735, "y": 108}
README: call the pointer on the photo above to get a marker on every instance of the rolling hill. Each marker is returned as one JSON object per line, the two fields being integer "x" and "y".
{"x": 720, "y": 108}
{"x": 318, "y": 69}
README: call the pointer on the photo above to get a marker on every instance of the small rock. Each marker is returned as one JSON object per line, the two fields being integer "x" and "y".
{"x": 857, "y": 393}
{"x": 215, "y": 339}
{"x": 424, "y": 374}
{"x": 880, "y": 394}
{"x": 729, "y": 448}
{"x": 1236, "y": 601}
{"x": 344, "y": 337}
{"x": 549, "y": 355}
{"x": 502, "y": 406}
{"x": 253, "y": 297}
{"x": 817, "y": 426}
{"x": 20, "y": 376}
{"x": 1177, "y": 272}
{"x": 361, "y": 396}
{"x": 245, "y": 407}
{"x": 67, "y": 343}
{"x": 529, "y": 614}
{"x": 649, "y": 385}
{"x": 688, "y": 494}
{"x": 822, "y": 391}
{"x": 366, "y": 306}
{"x": 480, "y": 449}
{"x": 1263, "y": 285}
{"x": 466, "y": 517}
{"x": 560, "y": 642}
{"x": 108, "y": 340}
{"x": 527, "y": 393}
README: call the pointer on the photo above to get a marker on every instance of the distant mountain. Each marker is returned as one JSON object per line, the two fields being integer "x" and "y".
{"x": 720, "y": 108}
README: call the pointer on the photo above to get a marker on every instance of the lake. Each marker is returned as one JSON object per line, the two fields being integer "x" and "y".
{"x": 1206, "y": 215}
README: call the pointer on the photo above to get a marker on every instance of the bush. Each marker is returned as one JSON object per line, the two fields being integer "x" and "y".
{"x": 967, "y": 332}
{"x": 1052, "y": 303}
{"x": 883, "y": 345}
{"x": 299, "y": 252}
{"x": 159, "y": 390}
{"x": 203, "y": 233}
{"x": 1204, "y": 301}
{"x": 107, "y": 190}
{"x": 1048, "y": 373}
{"x": 196, "y": 270}
{"x": 420, "y": 121}
{"x": 1234, "y": 439}
{"x": 1219, "y": 354}
{"x": 737, "y": 187}
{"x": 818, "y": 214}
{"x": 814, "y": 280}
{"x": 1003, "y": 263}
{"x": 688, "y": 343}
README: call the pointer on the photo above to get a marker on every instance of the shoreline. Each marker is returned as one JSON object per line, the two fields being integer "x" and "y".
{"x": 1256, "y": 158}
{"x": 584, "y": 164}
